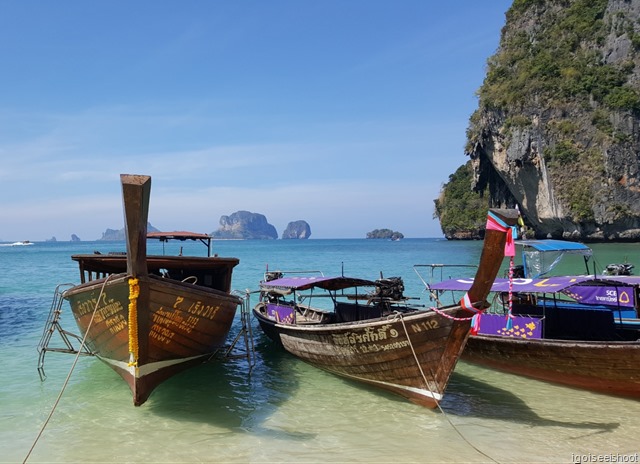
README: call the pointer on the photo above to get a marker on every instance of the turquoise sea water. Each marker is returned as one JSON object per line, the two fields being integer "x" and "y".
{"x": 285, "y": 411}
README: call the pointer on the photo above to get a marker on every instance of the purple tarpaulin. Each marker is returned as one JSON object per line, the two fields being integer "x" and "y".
{"x": 549, "y": 285}
{"x": 600, "y": 290}
{"x": 305, "y": 283}
{"x": 522, "y": 326}
{"x": 598, "y": 295}
{"x": 282, "y": 314}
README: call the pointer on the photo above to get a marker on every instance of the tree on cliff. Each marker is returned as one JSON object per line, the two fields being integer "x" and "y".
{"x": 462, "y": 212}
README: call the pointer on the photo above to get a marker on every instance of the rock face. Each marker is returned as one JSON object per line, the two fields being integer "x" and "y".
{"x": 75, "y": 238}
{"x": 245, "y": 225}
{"x": 557, "y": 130}
{"x": 112, "y": 235}
{"x": 297, "y": 230}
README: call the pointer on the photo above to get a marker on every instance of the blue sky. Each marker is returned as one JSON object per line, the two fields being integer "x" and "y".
{"x": 349, "y": 114}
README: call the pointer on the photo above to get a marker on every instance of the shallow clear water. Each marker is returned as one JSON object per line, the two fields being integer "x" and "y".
{"x": 284, "y": 410}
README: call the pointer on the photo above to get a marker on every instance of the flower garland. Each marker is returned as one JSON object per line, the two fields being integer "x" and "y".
{"x": 134, "y": 292}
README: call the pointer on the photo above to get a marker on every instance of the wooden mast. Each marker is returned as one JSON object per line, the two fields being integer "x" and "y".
{"x": 135, "y": 196}
{"x": 136, "y": 190}
{"x": 499, "y": 223}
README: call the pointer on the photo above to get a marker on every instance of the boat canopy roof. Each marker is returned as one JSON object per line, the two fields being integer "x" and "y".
{"x": 178, "y": 235}
{"x": 549, "y": 245}
{"x": 539, "y": 257}
{"x": 547, "y": 285}
{"x": 290, "y": 284}
{"x": 182, "y": 235}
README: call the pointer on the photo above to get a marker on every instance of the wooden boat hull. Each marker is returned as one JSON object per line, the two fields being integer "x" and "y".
{"x": 605, "y": 367}
{"x": 412, "y": 355}
{"x": 178, "y": 324}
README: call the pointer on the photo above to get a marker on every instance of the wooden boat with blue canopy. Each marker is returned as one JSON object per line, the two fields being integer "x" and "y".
{"x": 579, "y": 331}
{"x": 367, "y": 331}
{"x": 148, "y": 317}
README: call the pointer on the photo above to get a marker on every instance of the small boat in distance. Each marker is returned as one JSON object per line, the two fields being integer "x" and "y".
{"x": 22, "y": 243}
{"x": 581, "y": 331}
{"x": 368, "y": 332}
{"x": 149, "y": 317}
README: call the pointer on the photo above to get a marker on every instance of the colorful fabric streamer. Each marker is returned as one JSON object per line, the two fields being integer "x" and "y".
{"x": 495, "y": 223}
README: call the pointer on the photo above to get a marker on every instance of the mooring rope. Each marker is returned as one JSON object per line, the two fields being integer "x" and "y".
{"x": 433, "y": 378}
{"x": 448, "y": 316}
{"x": 66, "y": 382}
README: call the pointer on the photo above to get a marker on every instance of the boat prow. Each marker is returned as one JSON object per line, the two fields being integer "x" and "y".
{"x": 376, "y": 336}
{"x": 150, "y": 317}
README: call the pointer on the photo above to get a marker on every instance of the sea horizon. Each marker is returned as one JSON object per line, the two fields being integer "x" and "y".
{"x": 281, "y": 409}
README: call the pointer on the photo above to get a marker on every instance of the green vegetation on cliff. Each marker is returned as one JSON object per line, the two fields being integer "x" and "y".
{"x": 460, "y": 209}
{"x": 562, "y": 63}
{"x": 561, "y": 101}
{"x": 387, "y": 234}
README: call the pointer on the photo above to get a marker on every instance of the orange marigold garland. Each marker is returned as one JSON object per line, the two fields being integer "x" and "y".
{"x": 134, "y": 292}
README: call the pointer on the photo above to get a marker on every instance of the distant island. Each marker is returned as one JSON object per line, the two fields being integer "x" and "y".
{"x": 241, "y": 225}
{"x": 387, "y": 234}
{"x": 112, "y": 235}
{"x": 245, "y": 225}
{"x": 297, "y": 230}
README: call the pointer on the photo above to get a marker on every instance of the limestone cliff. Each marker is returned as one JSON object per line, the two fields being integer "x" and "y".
{"x": 297, "y": 230}
{"x": 557, "y": 129}
{"x": 245, "y": 225}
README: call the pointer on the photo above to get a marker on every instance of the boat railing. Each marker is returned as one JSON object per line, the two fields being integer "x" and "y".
{"x": 52, "y": 326}
{"x": 245, "y": 333}
{"x": 437, "y": 274}
{"x": 434, "y": 268}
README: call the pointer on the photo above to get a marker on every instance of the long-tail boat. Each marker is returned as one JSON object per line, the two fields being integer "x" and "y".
{"x": 150, "y": 317}
{"x": 580, "y": 331}
{"x": 369, "y": 332}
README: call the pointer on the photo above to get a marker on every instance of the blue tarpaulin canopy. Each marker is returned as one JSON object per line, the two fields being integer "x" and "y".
{"x": 556, "y": 245}
{"x": 541, "y": 256}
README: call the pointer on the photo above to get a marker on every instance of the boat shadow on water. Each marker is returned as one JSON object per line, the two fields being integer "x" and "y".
{"x": 470, "y": 397}
{"x": 226, "y": 394}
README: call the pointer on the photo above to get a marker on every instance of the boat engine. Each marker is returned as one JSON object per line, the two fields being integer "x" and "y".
{"x": 619, "y": 269}
{"x": 272, "y": 275}
{"x": 390, "y": 288}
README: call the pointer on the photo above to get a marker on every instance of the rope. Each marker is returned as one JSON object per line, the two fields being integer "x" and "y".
{"x": 66, "y": 382}
{"x": 509, "y": 324}
{"x": 415, "y": 356}
{"x": 433, "y": 378}
{"x": 448, "y": 316}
